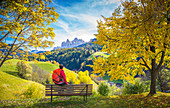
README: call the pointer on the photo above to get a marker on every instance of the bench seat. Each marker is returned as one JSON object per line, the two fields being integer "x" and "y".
{"x": 69, "y": 90}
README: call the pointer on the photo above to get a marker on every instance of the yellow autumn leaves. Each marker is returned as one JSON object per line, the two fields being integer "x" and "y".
{"x": 26, "y": 23}
{"x": 82, "y": 77}
{"x": 135, "y": 35}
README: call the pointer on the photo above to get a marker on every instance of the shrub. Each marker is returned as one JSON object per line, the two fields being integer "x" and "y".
{"x": 114, "y": 90}
{"x": 103, "y": 89}
{"x": 138, "y": 86}
{"x": 94, "y": 93}
{"x": 84, "y": 77}
{"x": 33, "y": 91}
{"x": 24, "y": 69}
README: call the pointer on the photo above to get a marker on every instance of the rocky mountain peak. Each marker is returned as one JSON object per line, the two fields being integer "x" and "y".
{"x": 71, "y": 44}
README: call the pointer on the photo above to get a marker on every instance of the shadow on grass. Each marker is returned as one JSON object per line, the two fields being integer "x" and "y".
{"x": 12, "y": 73}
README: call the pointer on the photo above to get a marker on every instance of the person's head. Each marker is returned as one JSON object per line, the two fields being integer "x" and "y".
{"x": 61, "y": 66}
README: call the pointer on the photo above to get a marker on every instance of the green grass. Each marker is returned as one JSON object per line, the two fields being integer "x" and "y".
{"x": 11, "y": 87}
{"x": 106, "y": 77}
{"x": 160, "y": 100}
{"x": 99, "y": 54}
{"x": 46, "y": 66}
{"x": 9, "y": 67}
{"x": 49, "y": 67}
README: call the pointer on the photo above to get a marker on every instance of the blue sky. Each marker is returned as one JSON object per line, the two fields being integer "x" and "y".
{"x": 78, "y": 18}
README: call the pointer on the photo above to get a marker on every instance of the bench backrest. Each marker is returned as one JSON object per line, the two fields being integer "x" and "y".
{"x": 68, "y": 90}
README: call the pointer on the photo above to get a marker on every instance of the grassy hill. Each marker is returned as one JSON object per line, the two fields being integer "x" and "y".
{"x": 13, "y": 87}
{"x": 10, "y": 67}
{"x": 97, "y": 54}
{"x": 50, "y": 67}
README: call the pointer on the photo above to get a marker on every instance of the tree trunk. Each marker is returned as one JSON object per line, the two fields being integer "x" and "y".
{"x": 153, "y": 83}
{"x": 2, "y": 62}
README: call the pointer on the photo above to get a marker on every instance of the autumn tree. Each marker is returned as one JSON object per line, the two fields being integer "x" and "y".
{"x": 137, "y": 37}
{"x": 25, "y": 24}
{"x": 24, "y": 70}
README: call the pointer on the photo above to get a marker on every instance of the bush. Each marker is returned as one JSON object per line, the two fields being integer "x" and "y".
{"x": 40, "y": 76}
{"x": 94, "y": 93}
{"x": 24, "y": 69}
{"x": 114, "y": 90}
{"x": 138, "y": 86}
{"x": 33, "y": 91}
{"x": 103, "y": 89}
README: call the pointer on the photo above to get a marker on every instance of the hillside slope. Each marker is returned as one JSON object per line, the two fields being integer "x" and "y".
{"x": 72, "y": 58}
{"x": 13, "y": 87}
{"x": 50, "y": 67}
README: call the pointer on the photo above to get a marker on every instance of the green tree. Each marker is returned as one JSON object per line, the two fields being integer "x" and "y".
{"x": 138, "y": 30}
{"x": 163, "y": 79}
{"x": 24, "y": 69}
{"x": 103, "y": 89}
{"x": 25, "y": 23}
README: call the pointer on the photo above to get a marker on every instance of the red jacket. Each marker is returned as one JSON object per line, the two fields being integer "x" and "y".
{"x": 63, "y": 76}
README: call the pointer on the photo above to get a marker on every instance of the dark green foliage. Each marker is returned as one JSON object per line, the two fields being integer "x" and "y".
{"x": 103, "y": 89}
{"x": 84, "y": 66}
{"x": 163, "y": 79}
{"x": 137, "y": 87}
{"x": 72, "y": 58}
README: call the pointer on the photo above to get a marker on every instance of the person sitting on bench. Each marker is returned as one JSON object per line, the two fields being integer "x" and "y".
{"x": 59, "y": 77}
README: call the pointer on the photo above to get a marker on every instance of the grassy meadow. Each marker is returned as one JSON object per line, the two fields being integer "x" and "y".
{"x": 160, "y": 100}
{"x": 13, "y": 87}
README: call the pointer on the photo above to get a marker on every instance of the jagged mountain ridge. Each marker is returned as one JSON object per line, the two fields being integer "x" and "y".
{"x": 70, "y": 44}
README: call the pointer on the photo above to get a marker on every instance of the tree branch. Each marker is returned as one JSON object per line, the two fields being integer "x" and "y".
{"x": 161, "y": 61}
{"x": 158, "y": 54}
{"x": 4, "y": 36}
{"x": 8, "y": 31}
{"x": 18, "y": 46}
{"x": 145, "y": 64}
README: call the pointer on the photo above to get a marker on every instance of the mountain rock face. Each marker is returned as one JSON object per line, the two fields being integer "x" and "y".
{"x": 70, "y": 44}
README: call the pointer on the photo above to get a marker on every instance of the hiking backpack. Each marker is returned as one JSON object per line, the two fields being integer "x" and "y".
{"x": 56, "y": 76}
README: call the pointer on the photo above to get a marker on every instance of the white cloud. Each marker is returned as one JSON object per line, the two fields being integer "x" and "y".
{"x": 104, "y": 2}
{"x": 80, "y": 19}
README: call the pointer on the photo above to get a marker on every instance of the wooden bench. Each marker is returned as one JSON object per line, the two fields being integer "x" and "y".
{"x": 69, "y": 90}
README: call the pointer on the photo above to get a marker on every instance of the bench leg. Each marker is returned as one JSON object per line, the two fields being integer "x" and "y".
{"x": 51, "y": 95}
{"x": 51, "y": 99}
{"x": 86, "y": 92}
{"x": 86, "y": 98}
